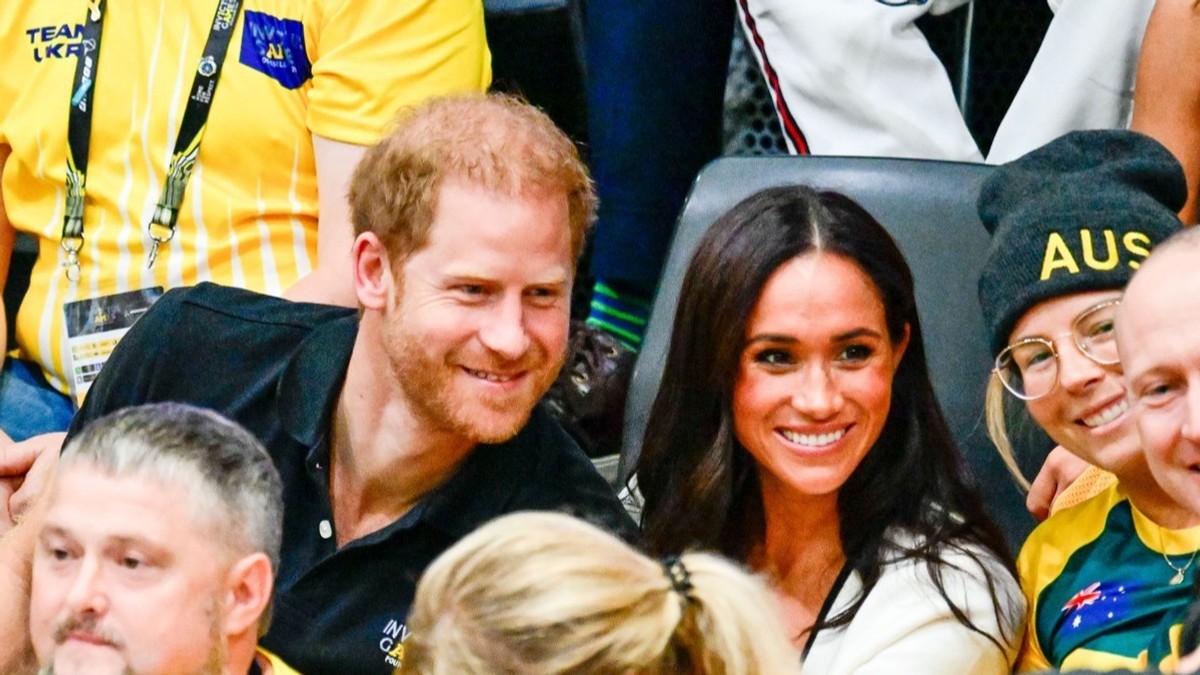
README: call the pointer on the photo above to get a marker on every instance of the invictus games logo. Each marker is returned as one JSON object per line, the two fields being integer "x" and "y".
{"x": 275, "y": 47}
{"x": 392, "y": 642}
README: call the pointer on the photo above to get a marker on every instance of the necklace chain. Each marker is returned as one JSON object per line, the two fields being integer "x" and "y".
{"x": 1179, "y": 571}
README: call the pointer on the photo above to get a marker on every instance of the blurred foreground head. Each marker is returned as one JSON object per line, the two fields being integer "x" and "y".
{"x": 546, "y": 593}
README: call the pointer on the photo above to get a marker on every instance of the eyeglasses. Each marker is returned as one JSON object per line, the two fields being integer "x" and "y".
{"x": 1029, "y": 368}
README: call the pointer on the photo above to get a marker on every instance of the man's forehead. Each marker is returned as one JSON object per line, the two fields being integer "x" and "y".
{"x": 89, "y": 497}
{"x": 1162, "y": 298}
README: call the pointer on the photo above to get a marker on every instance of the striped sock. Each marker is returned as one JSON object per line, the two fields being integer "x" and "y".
{"x": 620, "y": 313}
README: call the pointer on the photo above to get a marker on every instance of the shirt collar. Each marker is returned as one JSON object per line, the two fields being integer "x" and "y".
{"x": 312, "y": 379}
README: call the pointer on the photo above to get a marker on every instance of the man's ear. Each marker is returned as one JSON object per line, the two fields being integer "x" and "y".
{"x": 248, "y": 592}
{"x": 373, "y": 277}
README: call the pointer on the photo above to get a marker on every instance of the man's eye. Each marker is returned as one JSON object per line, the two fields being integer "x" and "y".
{"x": 1157, "y": 391}
{"x": 544, "y": 295}
{"x": 59, "y": 553}
{"x": 131, "y": 563}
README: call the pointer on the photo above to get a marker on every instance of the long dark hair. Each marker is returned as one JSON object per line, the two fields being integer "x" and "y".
{"x": 701, "y": 486}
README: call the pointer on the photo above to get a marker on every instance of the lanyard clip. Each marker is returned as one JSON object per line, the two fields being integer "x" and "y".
{"x": 71, "y": 245}
{"x": 156, "y": 230}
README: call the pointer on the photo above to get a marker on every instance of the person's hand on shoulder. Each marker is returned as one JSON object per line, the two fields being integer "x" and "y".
{"x": 1058, "y": 472}
{"x": 25, "y": 470}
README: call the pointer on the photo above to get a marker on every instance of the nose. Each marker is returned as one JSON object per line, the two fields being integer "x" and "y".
{"x": 504, "y": 332}
{"x": 87, "y": 593}
{"x": 1076, "y": 372}
{"x": 817, "y": 395}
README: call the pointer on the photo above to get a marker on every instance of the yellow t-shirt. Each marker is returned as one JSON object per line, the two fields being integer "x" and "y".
{"x": 339, "y": 69}
{"x": 1098, "y": 580}
{"x": 278, "y": 666}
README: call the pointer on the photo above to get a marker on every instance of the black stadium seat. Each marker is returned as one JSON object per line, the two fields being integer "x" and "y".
{"x": 929, "y": 207}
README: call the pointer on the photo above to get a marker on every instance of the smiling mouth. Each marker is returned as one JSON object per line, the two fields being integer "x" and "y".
{"x": 1106, "y": 415}
{"x": 813, "y": 440}
{"x": 498, "y": 378}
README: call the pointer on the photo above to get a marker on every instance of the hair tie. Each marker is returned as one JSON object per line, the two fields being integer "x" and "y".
{"x": 678, "y": 575}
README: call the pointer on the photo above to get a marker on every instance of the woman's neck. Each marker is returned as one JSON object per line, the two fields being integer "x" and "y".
{"x": 801, "y": 553}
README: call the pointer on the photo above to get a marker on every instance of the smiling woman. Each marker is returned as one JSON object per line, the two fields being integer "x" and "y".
{"x": 1070, "y": 222}
{"x": 796, "y": 430}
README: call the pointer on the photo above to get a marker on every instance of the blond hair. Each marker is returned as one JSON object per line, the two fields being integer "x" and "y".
{"x": 993, "y": 413}
{"x": 546, "y": 593}
{"x": 494, "y": 141}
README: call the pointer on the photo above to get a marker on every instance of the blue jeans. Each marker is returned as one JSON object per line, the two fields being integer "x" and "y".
{"x": 656, "y": 84}
{"x": 28, "y": 404}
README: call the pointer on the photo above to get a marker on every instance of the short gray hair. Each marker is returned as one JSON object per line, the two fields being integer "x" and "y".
{"x": 230, "y": 479}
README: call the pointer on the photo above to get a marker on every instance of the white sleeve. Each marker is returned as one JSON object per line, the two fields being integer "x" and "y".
{"x": 857, "y": 77}
{"x": 1081, "y": 78}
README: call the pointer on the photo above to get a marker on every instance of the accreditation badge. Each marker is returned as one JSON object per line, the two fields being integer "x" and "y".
{"x": 94, "y": 326}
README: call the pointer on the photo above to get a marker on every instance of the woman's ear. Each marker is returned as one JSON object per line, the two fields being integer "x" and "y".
{"x": 899, "y": 346}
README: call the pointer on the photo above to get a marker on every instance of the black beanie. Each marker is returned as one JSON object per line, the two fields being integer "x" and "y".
{"x": 1078, "y": 214}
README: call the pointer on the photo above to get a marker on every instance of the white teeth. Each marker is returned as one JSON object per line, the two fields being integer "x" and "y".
{"x": 813, "y": 440}
{"x": 1107, "y": 415}
{"x": 490, "y": 377}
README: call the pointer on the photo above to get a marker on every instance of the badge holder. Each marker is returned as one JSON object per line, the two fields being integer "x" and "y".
{"x": 94, "y": 326}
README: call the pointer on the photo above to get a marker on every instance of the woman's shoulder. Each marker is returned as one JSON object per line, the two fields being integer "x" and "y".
{"x": 906, "y": 553}
{"x": 970, "y": 576}
{"x": 1074, "y": 526}
{"x": 907, "y": 622}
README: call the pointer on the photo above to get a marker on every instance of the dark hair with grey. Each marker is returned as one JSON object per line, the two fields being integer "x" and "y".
{"x": 229, "y": 478}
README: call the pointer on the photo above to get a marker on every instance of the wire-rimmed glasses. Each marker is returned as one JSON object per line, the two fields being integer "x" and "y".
{"x": 1029, "y": 367}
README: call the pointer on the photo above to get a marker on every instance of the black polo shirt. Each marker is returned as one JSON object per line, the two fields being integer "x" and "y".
{"x": 277, "y": 367}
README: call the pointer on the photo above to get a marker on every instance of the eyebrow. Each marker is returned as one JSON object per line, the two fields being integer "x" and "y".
{"x": 840, "y": 337}
{"x": 555, "y": 278}
{"x": 121, "y": 541}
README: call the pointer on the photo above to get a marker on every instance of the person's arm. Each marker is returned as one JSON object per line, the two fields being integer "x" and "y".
{"x": 8, "y": 239}
{"x": 1058, "y": 473}
{"x": 1166, "y": 96}
{"x": 375, "y": 57}
{"x": 25, "y": 470}
{"x": 16, "y": 563}
{"x": 330, "y": 281}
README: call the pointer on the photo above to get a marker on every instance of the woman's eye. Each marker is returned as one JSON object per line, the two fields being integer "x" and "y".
{"x": 773, "y": 357}
{"x": 856, "y": 353}
{"x": 1034, "y": 358}
{"x": 1099, "y": 328}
